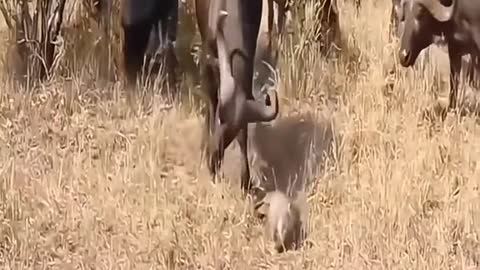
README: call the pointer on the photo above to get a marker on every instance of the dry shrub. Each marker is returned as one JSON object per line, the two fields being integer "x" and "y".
{"x": 35, "y": 27}
{"x": 89, "y": 42}
{"x": 93, "y": 42}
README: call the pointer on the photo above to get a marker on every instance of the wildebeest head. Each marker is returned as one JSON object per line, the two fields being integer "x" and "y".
{"x": 229, "y": 31}
{"x": 422, "y": 26}
{"x": 236, "y": 45}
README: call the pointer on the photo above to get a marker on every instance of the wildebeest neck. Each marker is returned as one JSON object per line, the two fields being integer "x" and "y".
{"x": 242, "y": 25}
{"x": 242, "y": 71}
{"x": 241, "y": 31}
{"x": 145, "y": 12}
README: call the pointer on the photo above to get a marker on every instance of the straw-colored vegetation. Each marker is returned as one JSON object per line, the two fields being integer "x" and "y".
{"x": 87, "y": 183}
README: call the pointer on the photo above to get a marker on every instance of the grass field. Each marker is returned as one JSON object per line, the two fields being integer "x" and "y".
{"x": 87, "y": 184}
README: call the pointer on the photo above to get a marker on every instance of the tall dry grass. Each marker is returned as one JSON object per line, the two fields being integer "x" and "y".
{"x": 85, "y": 184}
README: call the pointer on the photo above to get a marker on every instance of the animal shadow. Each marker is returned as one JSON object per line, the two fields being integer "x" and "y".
{"x": 287, "y": 155}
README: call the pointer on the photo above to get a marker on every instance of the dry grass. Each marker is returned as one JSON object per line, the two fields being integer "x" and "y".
{"x": 87, "y": 185}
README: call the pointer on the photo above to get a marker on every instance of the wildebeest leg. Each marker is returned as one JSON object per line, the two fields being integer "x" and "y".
{"x": 215, "y": 151}
{"x": 219, "y": 141}
{"x": 210, "y": 86}
{"x": 471, "y": 70}
{"x": 135, "y": 45}
{"x": 455, "y": 67}
{"x": 224, "y": 134}
{"x": 270, "y": 16}
{"x": 242, "y": 139}
{"x": 165, "y": 61}
{"x": 475, "y": 68}
{"x": 281, "y": 26}
{"x": 475, "y": 64}
{"x": 152, "y": 58}
{"x": 395, "y": 13}
{"x": 171, "y": 65}
{"x": 424, "y": 58}
{"x": 171, "y": 36}
{"x": 172, "y": 22}
{"x": 281, "y": 19}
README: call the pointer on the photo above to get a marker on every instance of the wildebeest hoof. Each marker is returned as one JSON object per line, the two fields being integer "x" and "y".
{"x": 213, "y": 161}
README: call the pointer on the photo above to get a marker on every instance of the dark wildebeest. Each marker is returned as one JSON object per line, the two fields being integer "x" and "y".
{"x": 459, "y": 23}
{"x": 229, "y": 30}
{"x": 150, "y": 29}
{"x": 397, "y": 23}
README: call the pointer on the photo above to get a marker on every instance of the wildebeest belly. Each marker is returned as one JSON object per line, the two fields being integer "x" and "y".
{"x": 145, "y": 11}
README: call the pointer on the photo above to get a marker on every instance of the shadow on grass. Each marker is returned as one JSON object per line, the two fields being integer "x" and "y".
{"x": 290, "y": 153}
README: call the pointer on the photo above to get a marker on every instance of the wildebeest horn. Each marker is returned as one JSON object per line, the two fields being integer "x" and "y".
{"x": 440, "y": 12}
{"x": 257, "y": 111}
{"x": 222, "y": 14}
{"x": 227, "y": 83}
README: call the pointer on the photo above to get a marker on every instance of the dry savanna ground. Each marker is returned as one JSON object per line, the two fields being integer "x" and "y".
{"x": 85, "y": 184}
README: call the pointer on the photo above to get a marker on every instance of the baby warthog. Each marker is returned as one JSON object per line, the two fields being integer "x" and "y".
{"x": 284, "y": 219}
